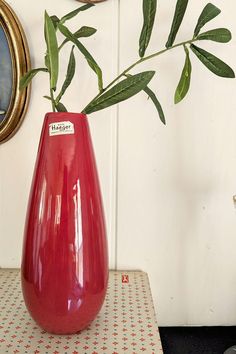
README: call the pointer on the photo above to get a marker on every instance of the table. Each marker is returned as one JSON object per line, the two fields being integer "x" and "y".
{"x": 125, "y": 324}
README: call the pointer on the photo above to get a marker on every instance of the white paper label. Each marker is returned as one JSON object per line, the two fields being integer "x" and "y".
{"x": 61, "y": 128}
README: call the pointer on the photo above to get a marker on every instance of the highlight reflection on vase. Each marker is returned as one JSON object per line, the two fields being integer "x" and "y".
{"x": 65, "y": 261}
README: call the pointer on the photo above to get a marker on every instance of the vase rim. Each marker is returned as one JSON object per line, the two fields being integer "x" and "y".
{"x": 65, "y": 114}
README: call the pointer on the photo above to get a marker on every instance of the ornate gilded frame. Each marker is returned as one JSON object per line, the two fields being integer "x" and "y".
{"x": 20, "y": 65}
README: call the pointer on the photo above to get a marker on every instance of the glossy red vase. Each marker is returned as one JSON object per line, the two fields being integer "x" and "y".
{"x": 65, "y": 263}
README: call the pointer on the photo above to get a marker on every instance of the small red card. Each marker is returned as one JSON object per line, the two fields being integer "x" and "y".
{"x": 125, "y": 278}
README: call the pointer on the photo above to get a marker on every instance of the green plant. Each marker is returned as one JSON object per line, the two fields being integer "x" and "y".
{"x": 117, "y": 91}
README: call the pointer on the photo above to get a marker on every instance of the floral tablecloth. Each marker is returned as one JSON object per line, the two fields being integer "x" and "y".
{"x": 126, "y": 323}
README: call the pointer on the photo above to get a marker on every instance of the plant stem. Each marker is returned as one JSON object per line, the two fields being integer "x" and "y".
{"x": 52, "y": 100}
{"x": 62, "y": 44}
{"x": 139, "y": 62}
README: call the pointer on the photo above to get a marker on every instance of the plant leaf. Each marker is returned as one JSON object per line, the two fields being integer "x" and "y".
{"x": 55, "y": 21}
{"x": 149, "y": 12}
{"x": 156, "y": 102}
{"x": 92, "y": 63}
{"x": 75, "y": 12}
{"x": 209, "y": 12}
{"x": 69, "y": 75}
{"x": 120, "y": 92}
{"x": 180, "y": 9}
{"x": 52, "y": 50}
{"x": 184, "y": 83}
{"x": 222, "y": 35}
{"x": 60, "y": 107}
{"x": 26, "y": 79}
{"x": 84, "y": 31}
{"x": 213, "y": 63}
{"x": 48, "y": 97}
{"x": 154, "y": 99}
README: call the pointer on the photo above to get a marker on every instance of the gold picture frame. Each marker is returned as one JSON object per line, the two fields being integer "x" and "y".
{"x": 14, "y": 47}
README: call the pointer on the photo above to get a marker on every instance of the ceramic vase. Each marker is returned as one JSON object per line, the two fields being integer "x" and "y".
{"x": 64, "y": 263}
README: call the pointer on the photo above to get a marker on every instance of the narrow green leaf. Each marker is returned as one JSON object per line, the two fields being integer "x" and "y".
{"x": 180, "y": 9}
{"x": 47, "y": 97}
{"x": 60, "y": 107}
{"x": 26, "y": 79}
{"x": 213, "y": 63}
{"x": 75, "y": 12}
{"x": 184, "y": 83}
{"x": 120, "y": 92}
{"x": 222, "y": 35}
{"x": 91, "y": 61}
{"x": 149, "y": 12}
{"x": 52, "y": 50}
{"x": 154, "y": 99}
{"x": 156, "y": 102}
{"x": 84, "y": 31}
{"x": 69, "y": 75}
{"x": 209, "y": 12}
{"x": 55, "y": 21}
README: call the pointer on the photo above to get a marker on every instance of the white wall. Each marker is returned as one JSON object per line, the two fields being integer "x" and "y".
{"x": 167, "y": 190}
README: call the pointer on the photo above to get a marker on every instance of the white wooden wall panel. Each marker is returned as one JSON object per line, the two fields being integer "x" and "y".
{"x": 176, "y": 218}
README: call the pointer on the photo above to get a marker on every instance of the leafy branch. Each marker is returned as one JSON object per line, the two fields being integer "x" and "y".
{"x": 126, "y": 85}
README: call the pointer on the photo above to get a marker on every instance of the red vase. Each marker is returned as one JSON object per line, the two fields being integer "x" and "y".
{"x": 65, "y": 263}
